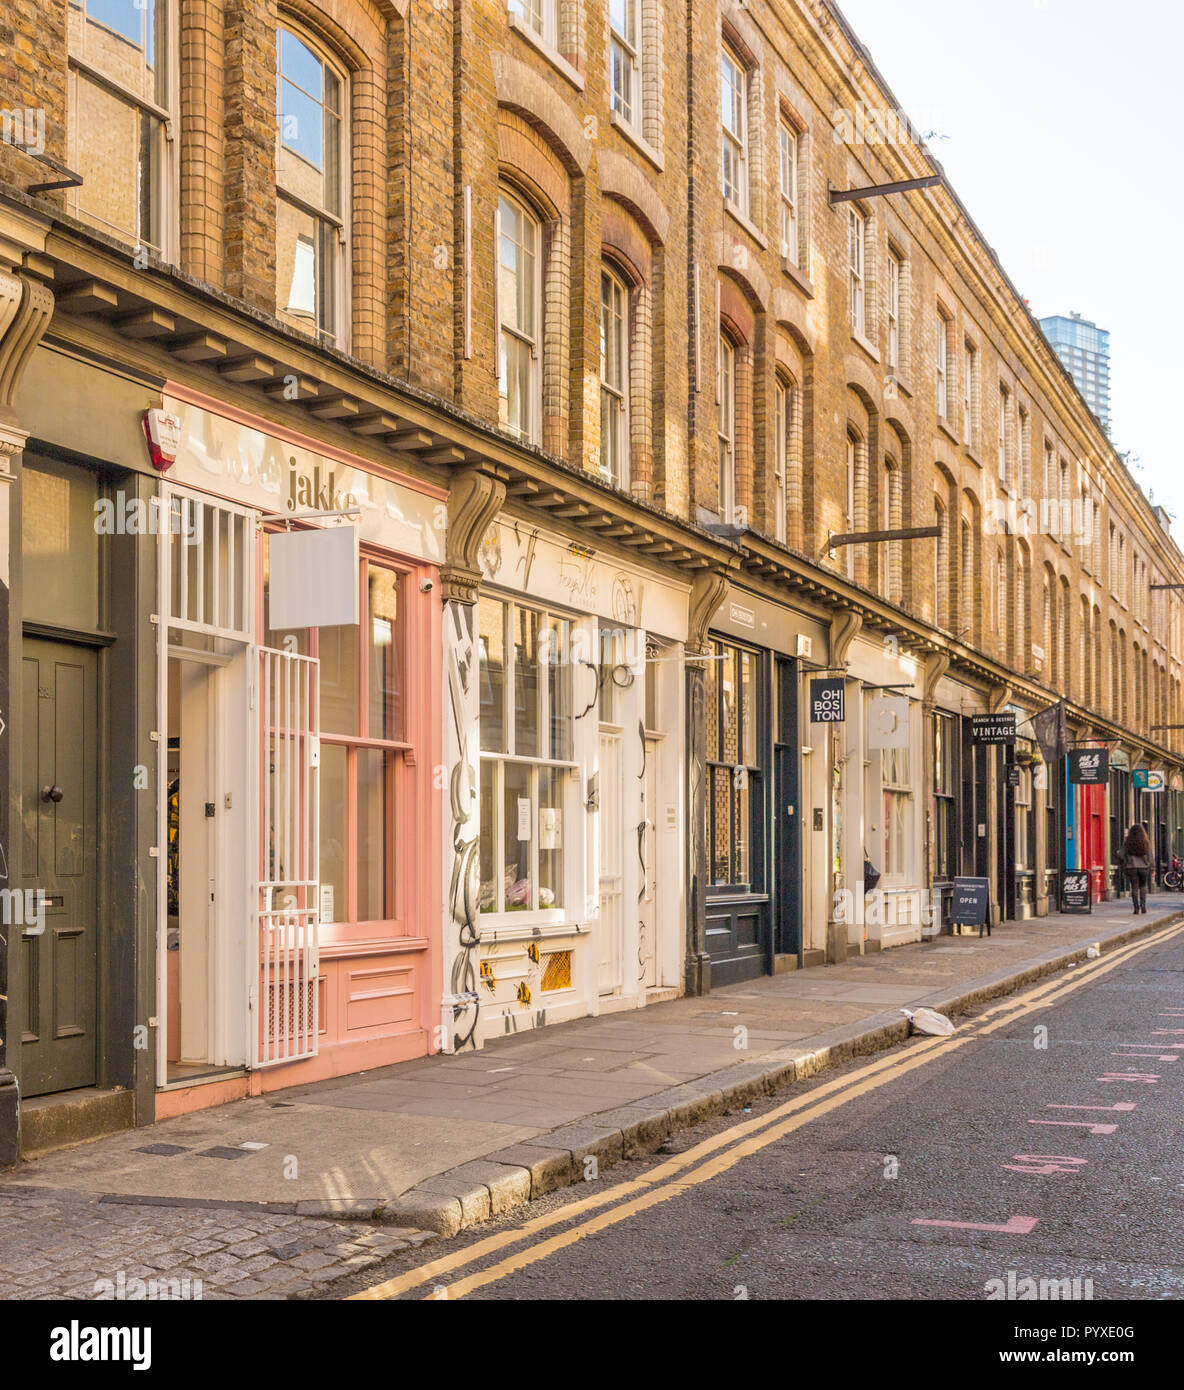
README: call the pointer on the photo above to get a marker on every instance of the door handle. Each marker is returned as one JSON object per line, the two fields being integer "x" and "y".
{"x": 53, "y": 794}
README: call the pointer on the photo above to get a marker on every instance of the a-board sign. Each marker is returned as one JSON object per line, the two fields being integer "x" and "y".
{"x": 1075, "y": 893}
{"x": 972, "y": 898}
{"x": 993, "y": 728}
{"x": 828, "y": 700}
{"x": 1089, "y": 767}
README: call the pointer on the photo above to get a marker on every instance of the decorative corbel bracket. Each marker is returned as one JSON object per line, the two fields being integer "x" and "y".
{"x": 26, "y": 307}
{"x": 997, "y": 697}
{"x": 474, "y": 499}
{"x": 936, "y": 665}
{"x": 707, "y": 595}
{"x": 844, "y": 628}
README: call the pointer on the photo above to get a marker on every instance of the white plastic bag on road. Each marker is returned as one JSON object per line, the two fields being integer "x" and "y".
{"x": 929, "y": 1022}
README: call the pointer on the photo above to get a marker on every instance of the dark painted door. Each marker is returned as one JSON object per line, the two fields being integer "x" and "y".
{"x": 787, "y": 813}
{"x": 59, "y": 807}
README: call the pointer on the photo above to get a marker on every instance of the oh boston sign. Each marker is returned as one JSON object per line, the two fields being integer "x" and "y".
{"x": 828, "y": 701}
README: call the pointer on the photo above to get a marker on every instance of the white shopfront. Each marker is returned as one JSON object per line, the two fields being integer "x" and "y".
{"x": 564, "y": 864}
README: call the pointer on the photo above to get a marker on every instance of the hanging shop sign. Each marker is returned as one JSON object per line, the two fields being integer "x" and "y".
{"x": 1013, "y": 774}
{"x": 1148, "y": 780}
{"x": 993, "y": 728}
{"x": 1075, "y": 893}
{"x": 1120, "y": 761}
{"x": 972, "y": 898}
{"x": 312, "y": 578}
{"x": 888, "y": 722}
{"x": 1089, "y": 767}
{"x": 828, "y": 701}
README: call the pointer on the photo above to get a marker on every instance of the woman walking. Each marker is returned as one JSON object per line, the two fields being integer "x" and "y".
{"x": 1136, "y": 860}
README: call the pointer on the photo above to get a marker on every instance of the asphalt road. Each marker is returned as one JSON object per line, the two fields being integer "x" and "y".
{"x": 1055, "y": 1114}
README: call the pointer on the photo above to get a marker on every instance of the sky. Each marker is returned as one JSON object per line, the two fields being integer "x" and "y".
{"x": 1063, "y": 140}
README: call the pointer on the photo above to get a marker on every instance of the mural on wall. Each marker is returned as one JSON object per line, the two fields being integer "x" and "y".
{"x": 465, "y": 885}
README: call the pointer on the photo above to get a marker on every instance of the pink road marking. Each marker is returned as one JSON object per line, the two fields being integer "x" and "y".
{"x": 1169, "y": 1032}
{"x": 1146, "y": 1078}
{"x": 1178, "y": 1047}
{"x": 1172, "y": 1013}
{"x": 1046, "y": 1169}
{"x": 1155, "y": 1056}
{"x": 1122, "y": 1105}
{"x": 1014, "y": 1226}
{"x": 1088, "y": 1124}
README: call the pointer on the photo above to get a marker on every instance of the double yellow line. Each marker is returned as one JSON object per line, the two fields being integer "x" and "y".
{"x": 680, "y": 1173}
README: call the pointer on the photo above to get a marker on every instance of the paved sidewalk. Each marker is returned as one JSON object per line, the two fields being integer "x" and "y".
{"x": 445, "y": 1142}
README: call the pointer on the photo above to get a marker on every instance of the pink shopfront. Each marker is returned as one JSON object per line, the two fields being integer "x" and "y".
{"x": 298, "y": 873}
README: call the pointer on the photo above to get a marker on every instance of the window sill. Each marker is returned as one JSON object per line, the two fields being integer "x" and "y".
{"x": 902, "y": 387}
{"x": 798, "y": 277}
{"x": 552, "y": 55}
{"x": 750, "y": 227}
{"x": 952, "y": 437}
{"x": 637, "y": 140}
{"x": 865, "y": 345}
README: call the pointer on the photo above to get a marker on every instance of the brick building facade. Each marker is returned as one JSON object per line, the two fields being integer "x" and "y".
{"x": 559, "y": 288}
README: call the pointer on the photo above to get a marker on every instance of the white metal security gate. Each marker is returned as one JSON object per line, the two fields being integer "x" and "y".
{"x": 285, "y": 985}
{"x": 206, "y": 583}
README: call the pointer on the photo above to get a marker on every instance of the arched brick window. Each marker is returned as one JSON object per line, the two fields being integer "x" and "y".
{"x": 312, "y": 160}
{"x": 520, "y": 318}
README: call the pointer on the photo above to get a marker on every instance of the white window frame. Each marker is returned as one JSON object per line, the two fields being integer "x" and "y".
{"x": 895, "y": 275}
{"x": 336, "y": 332}
{"x": 943, "y": 365}
{"x": 542, "y": 16}
{"x": 163, "y": 233}
{"x": 726, "y": 393}
{"x": 969, "y": 375}
{"x": 614, "y": 396}
{"x": 625, "y": 60}
{"x": 857, "y": 269}
{"x": 736, "y": 140}
{"x": 787, "y": 175}
{"x": 532, "y": 339}
{"x": 1004, "y": 430}
{"x": 566, "y": 768}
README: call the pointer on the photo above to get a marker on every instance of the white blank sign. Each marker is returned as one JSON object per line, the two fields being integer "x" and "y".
{"x": 313, "y": 578}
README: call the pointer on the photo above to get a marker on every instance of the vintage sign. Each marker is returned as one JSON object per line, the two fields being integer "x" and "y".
{"x": 888, "y": 722}
{"x": 1075, "y": 893}
{"x": 828, "y": 700}
{"x": 993, "y": 728}
{"x": 1089, "y": 767}
{"x": 1148, "y": 780}
{"x": 972, "y": 900}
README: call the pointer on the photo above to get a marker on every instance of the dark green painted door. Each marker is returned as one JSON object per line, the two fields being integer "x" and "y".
{"x": 59, "y": 808}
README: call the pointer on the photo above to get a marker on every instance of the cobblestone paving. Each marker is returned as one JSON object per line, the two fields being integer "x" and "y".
{"x": 58, "y": 1243}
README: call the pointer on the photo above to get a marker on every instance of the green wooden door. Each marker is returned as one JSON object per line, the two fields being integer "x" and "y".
{"x": 59, "y": 808}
